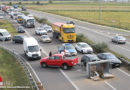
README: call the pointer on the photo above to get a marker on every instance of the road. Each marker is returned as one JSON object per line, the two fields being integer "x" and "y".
{"x": 73, "y": 79}
{"x": 94, "y": 32}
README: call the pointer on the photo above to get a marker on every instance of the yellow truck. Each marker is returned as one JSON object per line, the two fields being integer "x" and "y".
{"x": 64, "y": 32}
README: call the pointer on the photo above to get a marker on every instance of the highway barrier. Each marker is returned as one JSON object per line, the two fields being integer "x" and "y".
{"x": 30, "y": 73}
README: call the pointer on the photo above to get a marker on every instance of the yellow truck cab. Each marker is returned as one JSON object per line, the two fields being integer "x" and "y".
{"x": 64, "y": 32}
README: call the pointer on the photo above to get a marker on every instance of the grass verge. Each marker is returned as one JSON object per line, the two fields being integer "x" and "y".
{"x": 11, "y": 71}
{"x": 5, "y": 24}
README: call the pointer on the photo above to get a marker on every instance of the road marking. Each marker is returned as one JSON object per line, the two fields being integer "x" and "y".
{"x": 124, "y": 72}
{"x": 110, "y": 85}
{"x": 60, "y": 69}
{"x": 76, "y": 88}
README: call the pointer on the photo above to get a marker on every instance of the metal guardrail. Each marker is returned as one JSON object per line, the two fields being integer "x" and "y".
{"x": 31, "y": 75}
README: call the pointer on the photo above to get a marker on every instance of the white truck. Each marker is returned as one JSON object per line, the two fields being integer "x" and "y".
{"x": 4, "y": 35}
{"x": 31, "y": 48}
{"x": 28, "y": 22}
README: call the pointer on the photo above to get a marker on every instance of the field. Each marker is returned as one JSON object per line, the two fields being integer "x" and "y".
{"x": 11, "y": 71}
{"x": 5, "y": 24}
{"x": 112, "y": 14}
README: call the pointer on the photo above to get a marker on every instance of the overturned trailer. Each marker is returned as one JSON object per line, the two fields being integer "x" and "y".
{"x": 98, "y": 69}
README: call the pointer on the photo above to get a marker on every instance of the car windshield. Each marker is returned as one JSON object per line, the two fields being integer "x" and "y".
{"x": 84, "y": 45}
{"x": 1, "y": 14}
{"x": 5, "y": 33}
{"x": 15, "y": 14}
{"x": 47, "y": 27}
{"x": 31, "y": 20}
{"x": 94, "y": 58}
{"x": 69, "y": 47}
{"x": 120, "y": 37}
{"x": 69, "y": 30}
{"x": 33, "y": 48}
{"x": 110, "y": 56}
{"x": 45, "y": 36}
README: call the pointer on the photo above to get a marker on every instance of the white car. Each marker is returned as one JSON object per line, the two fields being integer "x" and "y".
{"x": 48, "y": 28}
{"x": 83, "y": 47}
{"x": 119, "y": 39}
{"x": 45, "y": 38}
{"x": 40, "y": 31}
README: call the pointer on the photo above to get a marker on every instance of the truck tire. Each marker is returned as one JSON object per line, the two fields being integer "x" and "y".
{"x": 65, "y": 66}
{"x": 43, "y": 65}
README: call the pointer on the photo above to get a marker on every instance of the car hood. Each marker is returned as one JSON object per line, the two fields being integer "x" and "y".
{"x": 87, "y": 48}
{"x": 115, "y": 60}
{"x": 71, "y": 50}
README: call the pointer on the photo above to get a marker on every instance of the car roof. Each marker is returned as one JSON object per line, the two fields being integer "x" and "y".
{"x": 3, "y": 30}
{"x": 90, "y": 55}
{"x": 19, "y": 36}
{"x": 106, "y": 53}
{"x": 67, "y": 44}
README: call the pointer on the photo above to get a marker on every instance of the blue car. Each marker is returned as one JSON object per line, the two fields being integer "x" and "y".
{"x": 68, "y": 49}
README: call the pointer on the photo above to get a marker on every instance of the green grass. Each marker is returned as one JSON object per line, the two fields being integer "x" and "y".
{"x": 5, "y": 24}
{"x": 113, "y": 14}
{"x": 11, "y": 71}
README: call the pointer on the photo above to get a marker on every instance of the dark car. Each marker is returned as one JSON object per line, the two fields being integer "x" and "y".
{"x": 70, "y": 22}
{"x": 18, "y": 38}
{"x": 89, "y": 58}
{"x": 114, "y": 61}
{"x": 21, "y": 29}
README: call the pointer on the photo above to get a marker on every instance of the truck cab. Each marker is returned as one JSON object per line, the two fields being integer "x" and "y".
{"x": 64, "y": 32}
{"x": 59, "y": 60}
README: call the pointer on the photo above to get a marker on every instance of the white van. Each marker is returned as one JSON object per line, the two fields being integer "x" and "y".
{"x": 4, "y": 35}
{"x": 31, "y": 48}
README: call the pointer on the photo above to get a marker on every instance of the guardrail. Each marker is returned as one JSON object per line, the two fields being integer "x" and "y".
{"x": 31, "y": 75}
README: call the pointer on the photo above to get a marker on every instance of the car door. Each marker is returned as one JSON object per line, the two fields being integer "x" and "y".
{"x": 57, "y": 61}
{"x": 50, "y": 61}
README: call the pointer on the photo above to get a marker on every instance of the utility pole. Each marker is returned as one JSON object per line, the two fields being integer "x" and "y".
{"x": 99, "y": 3}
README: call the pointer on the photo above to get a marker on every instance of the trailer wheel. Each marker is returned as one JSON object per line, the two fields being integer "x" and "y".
{"x": 65, "y": 66}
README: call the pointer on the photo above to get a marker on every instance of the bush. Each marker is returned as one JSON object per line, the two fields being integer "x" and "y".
{"x": 100, "y": 47}
{"x": 37, "y": 2}
{"x": 19, "y": 3}
{"x": 10, "y": 3}
{"x": 50, "y": 2}
{"x": 43, "y": 20}
{"x": 25, "y": 13}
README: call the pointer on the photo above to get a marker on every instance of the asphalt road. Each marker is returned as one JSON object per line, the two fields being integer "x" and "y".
{"x": 94, "y": 32}
{"x": 75, "y": 78}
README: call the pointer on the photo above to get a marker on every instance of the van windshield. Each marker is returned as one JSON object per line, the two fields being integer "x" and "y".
{"x": 5, "y": 33}
{"x": 33, "y": 48}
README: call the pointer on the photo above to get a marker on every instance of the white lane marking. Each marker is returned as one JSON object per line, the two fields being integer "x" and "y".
{"x": 113, "y": 88}
{"x": 74, "y": 85}
{"x": 124, "y": 72}
{"x": 76, "y": 88}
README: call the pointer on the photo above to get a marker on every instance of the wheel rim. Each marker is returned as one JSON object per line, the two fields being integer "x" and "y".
{"x": 43, "y": 65}
{"x": 65, "y": 66}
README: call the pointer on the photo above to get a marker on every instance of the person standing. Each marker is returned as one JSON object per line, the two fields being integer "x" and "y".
{"x": 50, "y": 54}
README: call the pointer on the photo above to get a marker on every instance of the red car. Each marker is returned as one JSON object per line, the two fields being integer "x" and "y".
{"x": 59, "y": 60}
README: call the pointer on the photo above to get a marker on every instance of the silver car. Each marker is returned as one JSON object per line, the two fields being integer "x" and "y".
{"x": 45, "y": 38}
{"x": 83, "y": 47}
{"x": 119, "y": 39}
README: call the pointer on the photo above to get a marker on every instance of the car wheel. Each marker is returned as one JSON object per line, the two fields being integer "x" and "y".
{"x": 65, "y": 66}
{"x": 43, "y": 65}
{"x": 82, "y": 52}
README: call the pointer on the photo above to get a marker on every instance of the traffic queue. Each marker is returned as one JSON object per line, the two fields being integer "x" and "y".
{"x": 66, "y": 56}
